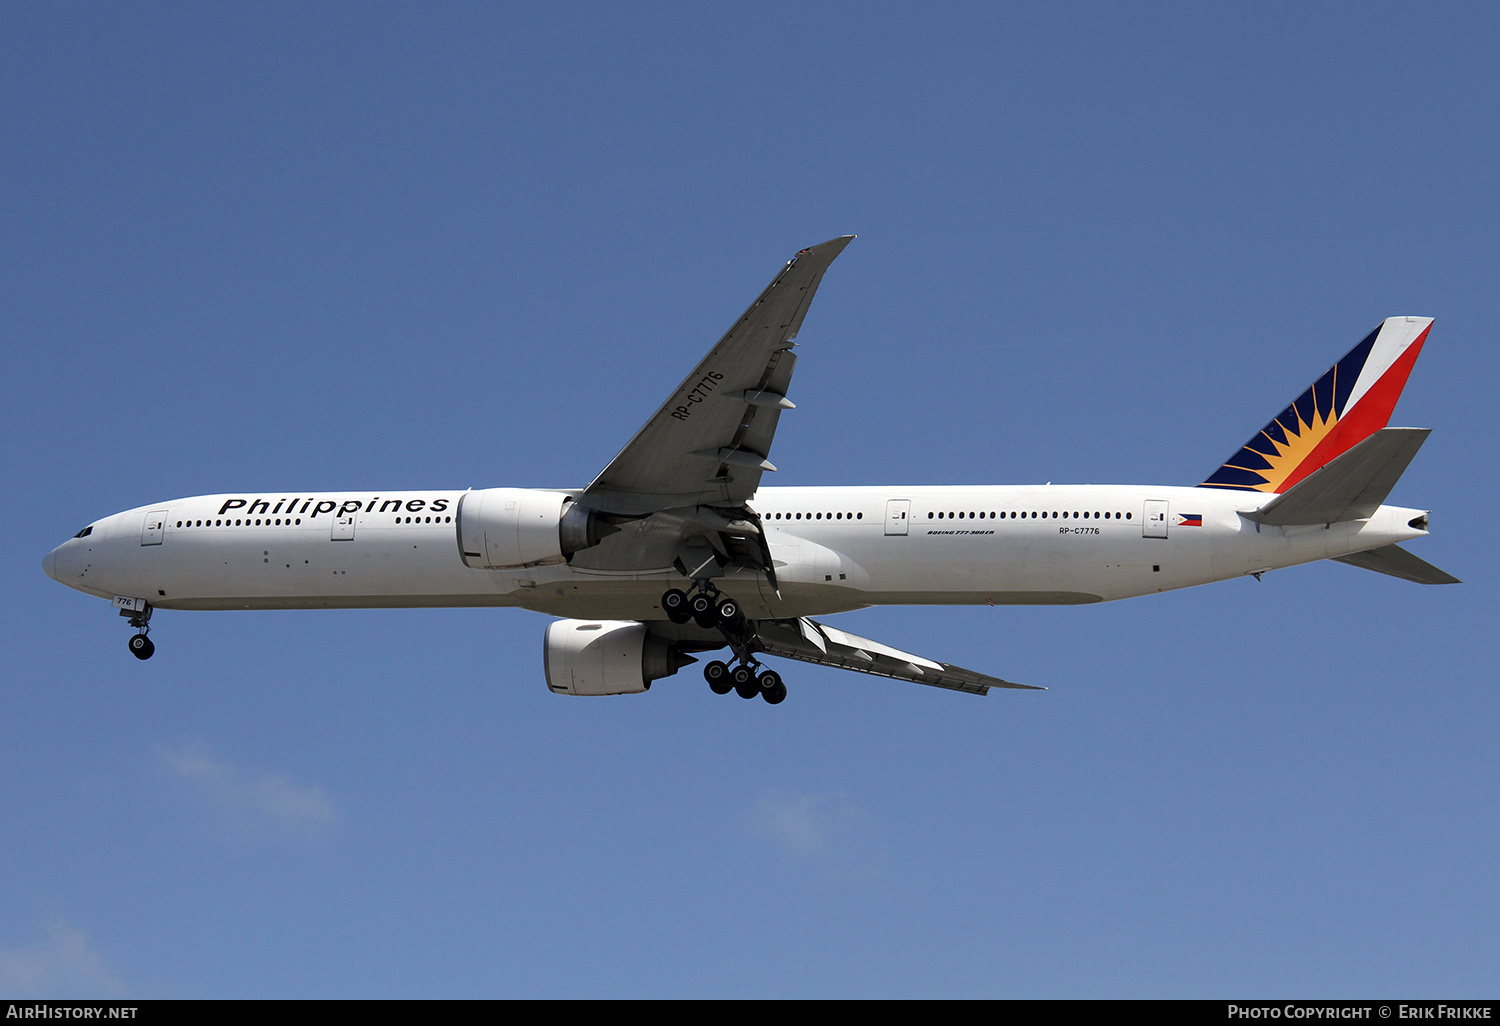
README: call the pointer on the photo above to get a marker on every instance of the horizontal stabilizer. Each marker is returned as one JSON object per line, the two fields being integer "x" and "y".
{"x": 1351, "y": 487}
{"x": 1396, "y": 561}
{"x": 812, "y": 642}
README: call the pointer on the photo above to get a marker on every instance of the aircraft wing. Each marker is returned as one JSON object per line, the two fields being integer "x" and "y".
{"x": 813, "y": 642}
{"x": 708, "y": 443}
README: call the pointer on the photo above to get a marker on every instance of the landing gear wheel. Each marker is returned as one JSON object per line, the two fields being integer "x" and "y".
{"x": 776, "y": 695}
{"x": 717, "y": 675}
{"x": 674, "y": 602}
{"x": 744, "y": 682}
{"x": 141, "y": 646}
{"x": 728, "y": 612}
{"x": 769, "y": 681}
{"x": 701, "y": 608}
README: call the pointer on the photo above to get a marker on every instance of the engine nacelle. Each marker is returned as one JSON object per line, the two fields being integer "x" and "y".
{"x": 503, "y": 528}
{"x": 606, "y": 657}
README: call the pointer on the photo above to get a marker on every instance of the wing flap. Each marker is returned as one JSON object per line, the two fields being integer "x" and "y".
{"x": 809, "y": 641}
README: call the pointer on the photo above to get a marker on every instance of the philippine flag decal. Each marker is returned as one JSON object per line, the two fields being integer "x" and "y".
{"x": 1190, "y": 520}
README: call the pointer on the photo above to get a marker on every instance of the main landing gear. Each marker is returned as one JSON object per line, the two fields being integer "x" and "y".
{"x": 140, "y": 645}
{"x": 710, "y": 609}
{"x": 745, "y": 682}
{"x": 705, "y": 606}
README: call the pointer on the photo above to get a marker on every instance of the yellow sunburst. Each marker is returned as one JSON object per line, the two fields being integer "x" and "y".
{"x": 1298, "y": 447}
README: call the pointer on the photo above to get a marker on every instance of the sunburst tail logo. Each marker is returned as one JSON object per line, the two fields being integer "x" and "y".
{"x": 1337, "y": 412}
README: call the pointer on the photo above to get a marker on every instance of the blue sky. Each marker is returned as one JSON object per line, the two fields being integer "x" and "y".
{"x": 392, "y": 246}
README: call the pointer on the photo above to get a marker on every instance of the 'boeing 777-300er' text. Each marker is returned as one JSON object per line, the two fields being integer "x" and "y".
{"x": 675, "y": 548}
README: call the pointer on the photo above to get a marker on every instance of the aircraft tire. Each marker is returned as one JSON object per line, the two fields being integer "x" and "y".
{"x": 717, "y": 675}
{"x": 674, "y": 604}
{"x": 776, "y": 695}
{"x": 744, "y": 681}
{"x": 141, "y": 646}
{"x": 728, "y": 612}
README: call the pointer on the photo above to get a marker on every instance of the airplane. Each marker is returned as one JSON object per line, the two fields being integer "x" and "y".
{"x": 675, "y": 549}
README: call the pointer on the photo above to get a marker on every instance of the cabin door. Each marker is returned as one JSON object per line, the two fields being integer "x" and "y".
{"x": 154, "y": 527}
{"x": 1156, "y": 518}
{"x": 897, "y": 512}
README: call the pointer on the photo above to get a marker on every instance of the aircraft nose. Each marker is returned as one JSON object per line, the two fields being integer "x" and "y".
{"x": 50, "y": 564}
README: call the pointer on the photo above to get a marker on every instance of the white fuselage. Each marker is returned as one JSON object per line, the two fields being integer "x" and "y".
{"x": 834, "y": 549}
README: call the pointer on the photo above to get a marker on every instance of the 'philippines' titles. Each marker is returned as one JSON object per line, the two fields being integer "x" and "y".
{"x": 312, "y": 506}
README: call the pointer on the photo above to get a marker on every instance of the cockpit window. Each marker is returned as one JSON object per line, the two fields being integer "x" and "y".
{"x": 85, "y": 532}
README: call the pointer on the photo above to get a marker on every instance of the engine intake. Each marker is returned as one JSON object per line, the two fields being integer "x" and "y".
{"x": 607, "y": 657}
{"x": 504, "y": 528}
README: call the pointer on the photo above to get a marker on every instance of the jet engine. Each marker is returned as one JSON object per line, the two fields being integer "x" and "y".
{"x": 607, "y": 657}
{"x": 501, "y": 528}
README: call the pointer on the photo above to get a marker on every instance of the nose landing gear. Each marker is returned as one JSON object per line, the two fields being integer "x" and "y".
{"x": 140, "y": 645}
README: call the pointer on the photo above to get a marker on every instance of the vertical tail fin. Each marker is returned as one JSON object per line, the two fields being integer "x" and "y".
{"x": 1337, "y": 412}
